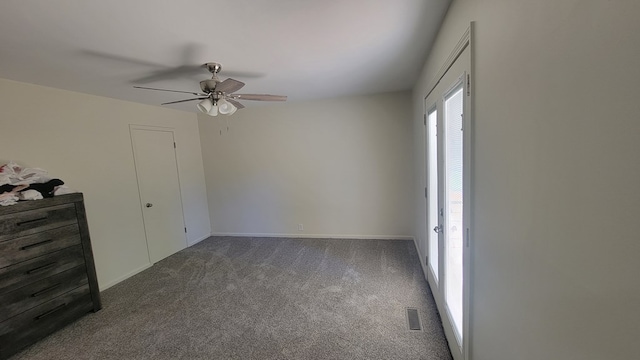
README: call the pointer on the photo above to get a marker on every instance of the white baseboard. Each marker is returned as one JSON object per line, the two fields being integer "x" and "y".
{"x": 415, "y": 243}
{"x": 423, "y": 264}
{"x": 124, "y": 277}
{"x": 144, "y": 267}
{"x": 191, "y": 243}
{"x": 317, "y": 236}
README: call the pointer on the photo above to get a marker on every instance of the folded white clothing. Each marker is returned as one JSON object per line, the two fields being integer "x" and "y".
{"x": 62, "y": 190}
{"x": 7, "y": 199}
{"x": 15, "y": 174}
{"x": 30, "y": 195}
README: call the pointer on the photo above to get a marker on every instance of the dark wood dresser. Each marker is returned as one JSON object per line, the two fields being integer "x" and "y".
{"x": 47, "y": 273}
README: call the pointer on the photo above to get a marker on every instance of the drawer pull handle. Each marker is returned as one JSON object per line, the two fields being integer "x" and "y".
{"x": 45, "y": 290}
{"x": 27, "y": 247}
{"x": 30, "y": 221}
{"x": 41, "y": 268}
{"x": 57, "y": 308}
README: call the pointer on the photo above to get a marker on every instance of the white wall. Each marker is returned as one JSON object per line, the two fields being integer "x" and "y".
{"x": 555, "y": 249}
{"x": 85, "y": 141}
{"x": 340, "y": 167}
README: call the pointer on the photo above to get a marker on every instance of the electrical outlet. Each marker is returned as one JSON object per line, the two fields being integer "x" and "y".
{"x": 300, "y": 227}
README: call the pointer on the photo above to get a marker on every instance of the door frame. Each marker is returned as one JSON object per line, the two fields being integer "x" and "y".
{"x": 133, "y": 127}
{"x": 466, "y": 41}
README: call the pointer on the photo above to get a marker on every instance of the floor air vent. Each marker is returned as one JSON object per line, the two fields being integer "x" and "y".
{"x": 413, "y": 319}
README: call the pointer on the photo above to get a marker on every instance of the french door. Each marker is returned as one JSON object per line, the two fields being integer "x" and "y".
{"x": 447, "y": 121}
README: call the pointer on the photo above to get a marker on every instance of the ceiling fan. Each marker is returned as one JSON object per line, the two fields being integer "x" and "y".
{"x": 218, "y": 96}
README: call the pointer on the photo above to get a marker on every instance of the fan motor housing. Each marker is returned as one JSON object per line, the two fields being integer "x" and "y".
{"x": 208, "y": 85}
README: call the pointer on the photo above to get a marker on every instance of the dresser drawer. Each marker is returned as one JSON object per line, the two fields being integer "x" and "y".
{"x": 27, "y": 247}
{"x": 31, "y": 295}
{"x": 13, "y": 277}
{"x": 33, "y": 221}
{"x": 34, "y": 324}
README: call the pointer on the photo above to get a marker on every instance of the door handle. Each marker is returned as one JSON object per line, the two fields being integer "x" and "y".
{"x": 148, "y": 205}
{"x": 438, "y": 229}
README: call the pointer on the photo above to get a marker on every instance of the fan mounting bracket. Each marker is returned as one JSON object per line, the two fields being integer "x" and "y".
{"x": 212, "y": 67}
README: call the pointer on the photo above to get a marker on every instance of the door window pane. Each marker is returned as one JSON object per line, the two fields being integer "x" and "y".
{"x": 453, "y": 232}
{"x": 432, "y": 189}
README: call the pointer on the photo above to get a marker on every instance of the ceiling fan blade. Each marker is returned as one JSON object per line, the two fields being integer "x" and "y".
{"x": 121, "y": 58}
{"x": 176, "y": 91}
{"x": 235, "y": 103}
{"x": 181, "y": 101}
{"x": 170, "y": 73}
{"x": 190, "y": 52}
{"x": 230, "y": 85}
{"x": 259, "y": 97}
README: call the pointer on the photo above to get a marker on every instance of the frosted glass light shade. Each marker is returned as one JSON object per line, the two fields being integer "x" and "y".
{"x": 225, "y": 107}
{"x": 205, "y": 105}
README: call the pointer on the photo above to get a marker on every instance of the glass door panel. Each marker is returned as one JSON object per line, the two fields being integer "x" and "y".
{"x": 432, "y": 190}
{"x": 453, "y": 222}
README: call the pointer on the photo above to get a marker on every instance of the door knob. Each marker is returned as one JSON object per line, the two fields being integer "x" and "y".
{"x": 148, "y": 205}
{"x": 438, "y": 229}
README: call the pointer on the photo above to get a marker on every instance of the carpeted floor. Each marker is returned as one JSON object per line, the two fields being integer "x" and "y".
{"x": 262, "y": 298}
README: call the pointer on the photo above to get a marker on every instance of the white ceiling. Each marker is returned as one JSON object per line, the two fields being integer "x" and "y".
{"x": 303, "y": 49}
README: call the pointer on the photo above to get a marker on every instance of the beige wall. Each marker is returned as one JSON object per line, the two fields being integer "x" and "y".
{"x": 555, "y": 249}
{"x": 85, "y": 141}
{"x": 340, "y": 167}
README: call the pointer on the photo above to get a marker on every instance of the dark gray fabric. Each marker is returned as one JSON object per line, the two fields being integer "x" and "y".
{"x": 263, "y": 298}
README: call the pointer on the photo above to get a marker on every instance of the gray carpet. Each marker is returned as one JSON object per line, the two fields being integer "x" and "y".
{"x": 262, "y": 298}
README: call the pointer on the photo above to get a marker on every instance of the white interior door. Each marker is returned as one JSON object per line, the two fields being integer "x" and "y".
{"x": 447, "y": 120}
{"x": 159, "y": 186}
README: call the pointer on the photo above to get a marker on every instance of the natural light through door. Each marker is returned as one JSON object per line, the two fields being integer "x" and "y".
{"x": 432, "y": 189}
{"x": 453, "y": 229}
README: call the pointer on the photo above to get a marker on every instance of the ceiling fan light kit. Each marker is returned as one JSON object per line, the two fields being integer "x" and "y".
{"x": 218, "y": 96}
{"x": 225, "y": 107}
{"x": 213, "y": 111}
{"x": 205, "y": 105}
